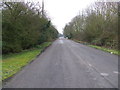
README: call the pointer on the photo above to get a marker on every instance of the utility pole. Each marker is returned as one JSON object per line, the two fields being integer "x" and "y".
{"x": 43, "y": 13}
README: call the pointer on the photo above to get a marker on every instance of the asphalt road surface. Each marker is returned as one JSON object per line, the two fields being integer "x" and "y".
{"x": 67, "y": 64}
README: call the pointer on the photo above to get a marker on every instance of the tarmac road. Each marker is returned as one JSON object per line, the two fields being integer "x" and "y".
{"x": 67, "y": 64}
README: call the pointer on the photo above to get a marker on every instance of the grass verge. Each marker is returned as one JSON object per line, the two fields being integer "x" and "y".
{"x": 13, "y": 63}
{"x": 116, "y": 52}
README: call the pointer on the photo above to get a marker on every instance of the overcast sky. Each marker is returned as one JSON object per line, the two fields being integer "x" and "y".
{"x": 62, "y": 11}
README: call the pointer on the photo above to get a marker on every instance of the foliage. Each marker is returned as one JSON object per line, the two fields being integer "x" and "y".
{"x": 23, "y": 27}
{"x": 97, "y": 24}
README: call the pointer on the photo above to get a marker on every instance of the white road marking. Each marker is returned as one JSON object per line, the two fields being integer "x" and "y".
{"x": 104, "y": 74}
{"x": 60, "y": 41}
{"x": 115, "y": 72}
{"x": 90, "y": 65}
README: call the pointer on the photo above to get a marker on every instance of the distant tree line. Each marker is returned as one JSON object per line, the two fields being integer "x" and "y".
{"x": 97, "y": 24}
{"x": 24, "y": 26}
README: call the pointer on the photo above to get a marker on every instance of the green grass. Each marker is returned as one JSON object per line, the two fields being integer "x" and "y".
{"x": 116, "y": 52}
{"x": 106, "y": 49}
{"x": 12, "y": 63}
